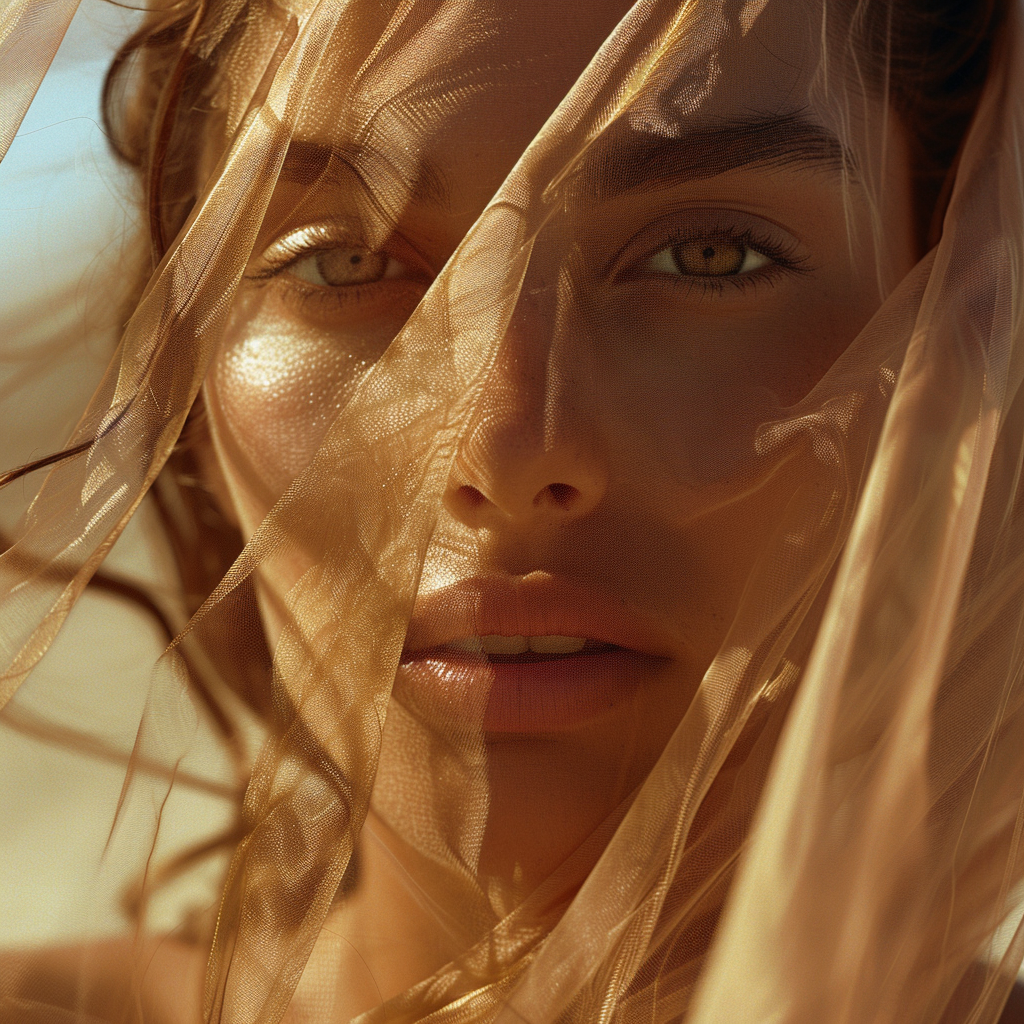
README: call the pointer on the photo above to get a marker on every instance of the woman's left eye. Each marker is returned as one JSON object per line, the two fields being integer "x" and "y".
{"x": 344, "y": 266}
{"x": 707, "y": 257}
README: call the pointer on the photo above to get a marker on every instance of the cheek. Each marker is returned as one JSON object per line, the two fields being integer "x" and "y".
{"x": 272, "y": 394}
{"x": 692, "y": 391}
{"x": 276, "y": 396}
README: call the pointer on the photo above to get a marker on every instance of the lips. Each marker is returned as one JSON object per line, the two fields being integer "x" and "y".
{"x": 533, "y": 654}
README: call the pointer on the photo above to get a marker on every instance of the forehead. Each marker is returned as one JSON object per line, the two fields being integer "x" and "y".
{"x": 490, "y": 73}
{"x": 428, "y": 114}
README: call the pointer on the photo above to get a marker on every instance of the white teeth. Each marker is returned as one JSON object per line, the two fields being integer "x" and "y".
{"x": 557, "y": 644}
{"x": 495, "y": 644}
{"x": 504, "y": 644}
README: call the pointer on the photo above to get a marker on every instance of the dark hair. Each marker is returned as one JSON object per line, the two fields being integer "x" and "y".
{"x": 937, "y": 53}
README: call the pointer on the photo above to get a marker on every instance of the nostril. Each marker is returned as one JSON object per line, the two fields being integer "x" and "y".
{"x": 470, "y": 496}
{"x": 562, "y": 495}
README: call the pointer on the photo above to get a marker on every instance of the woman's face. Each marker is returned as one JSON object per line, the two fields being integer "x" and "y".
{"x": 616, "y": 492}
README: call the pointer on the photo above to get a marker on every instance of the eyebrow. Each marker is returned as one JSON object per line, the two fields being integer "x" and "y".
{"x": 307, "y": 162}
{"x": 629, "y": 162}
{"x": 624, "y": 161}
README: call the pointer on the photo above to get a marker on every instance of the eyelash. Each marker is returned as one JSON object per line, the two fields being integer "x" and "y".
{"x": 291, "y": 249}
{"x": 784, "y": 259}
{"x": 316, "y": 300}
{"x": 783, "y": 256}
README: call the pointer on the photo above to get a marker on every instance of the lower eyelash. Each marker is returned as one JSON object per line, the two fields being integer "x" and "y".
{"x": 325, "y": 305}
{"x": 718, "y": 284}
{"x": 784, "y": 258}
{"x": 281, "y": 265}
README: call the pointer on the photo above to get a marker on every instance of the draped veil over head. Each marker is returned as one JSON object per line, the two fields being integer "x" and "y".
{"x": 575, "y": 453}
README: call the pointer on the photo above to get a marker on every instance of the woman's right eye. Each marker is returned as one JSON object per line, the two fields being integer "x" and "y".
{"x": 333, "y": 277}
{"x": 345, "y": 266}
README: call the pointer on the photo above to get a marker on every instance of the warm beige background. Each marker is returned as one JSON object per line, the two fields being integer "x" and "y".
{"x": 67, "y": 230}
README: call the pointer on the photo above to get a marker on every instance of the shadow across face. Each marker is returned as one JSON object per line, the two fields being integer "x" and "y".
{"x": 674, "y": 405}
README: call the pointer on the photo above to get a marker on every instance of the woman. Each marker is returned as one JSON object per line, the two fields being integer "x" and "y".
{"x": 628, "y": 494}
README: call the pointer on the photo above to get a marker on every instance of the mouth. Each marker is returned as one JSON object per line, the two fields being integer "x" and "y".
{"x": 531, "y": 654}
{"x": 523, "y": 650}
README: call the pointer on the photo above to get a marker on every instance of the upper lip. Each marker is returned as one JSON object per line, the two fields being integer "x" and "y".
{"x": 539, "y": 604}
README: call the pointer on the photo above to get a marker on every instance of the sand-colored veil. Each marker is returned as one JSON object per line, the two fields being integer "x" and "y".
{"x": 832, "y": 831}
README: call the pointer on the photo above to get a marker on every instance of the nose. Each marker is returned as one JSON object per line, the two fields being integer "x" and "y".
{"x": 533, "y": 455}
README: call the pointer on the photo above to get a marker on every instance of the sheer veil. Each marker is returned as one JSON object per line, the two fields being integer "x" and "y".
{"x": 831, "y": 829}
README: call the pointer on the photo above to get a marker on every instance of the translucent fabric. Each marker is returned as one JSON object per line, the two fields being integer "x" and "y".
{"x": 607, "y": 515}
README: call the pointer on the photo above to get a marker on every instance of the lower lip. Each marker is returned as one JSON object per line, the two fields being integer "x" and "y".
{"x": 532, "y": 697}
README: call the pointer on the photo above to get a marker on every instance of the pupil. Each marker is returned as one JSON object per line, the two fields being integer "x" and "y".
{"x": 708, "y": 257}
{"x": 344, "y": 266}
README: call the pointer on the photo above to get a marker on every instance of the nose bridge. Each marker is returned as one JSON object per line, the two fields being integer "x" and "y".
{"x": 533, "y": 450}
{"x": 525, "y": 383}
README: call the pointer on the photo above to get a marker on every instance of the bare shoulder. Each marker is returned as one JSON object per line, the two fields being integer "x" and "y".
{"x": 158, "y": 981}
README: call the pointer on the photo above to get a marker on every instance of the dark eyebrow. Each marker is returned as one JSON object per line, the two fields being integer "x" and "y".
{"x": 307, "y": 162}
{"x": 623, "y": 161}
{"x": 631, "y": 162}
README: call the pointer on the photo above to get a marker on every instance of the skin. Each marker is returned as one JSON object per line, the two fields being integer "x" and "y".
{"x": 623, "y": 386}
{"x": 613, "y": 444}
